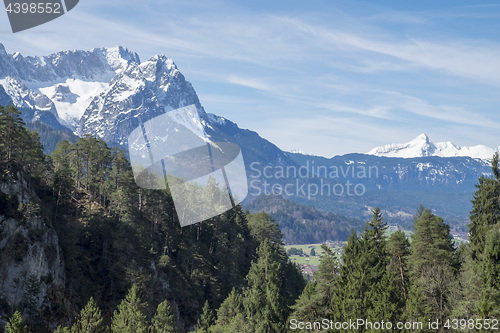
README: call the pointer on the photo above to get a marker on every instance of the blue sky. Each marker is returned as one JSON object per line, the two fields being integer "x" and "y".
{"x": 326, "y": 77}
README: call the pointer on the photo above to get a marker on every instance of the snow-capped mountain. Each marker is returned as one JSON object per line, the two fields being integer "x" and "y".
{"x": 108, "y": 92}
{"x": 140, "y": 92}
{"x": 62, "y": 83}
{"x": 421, "y": 146}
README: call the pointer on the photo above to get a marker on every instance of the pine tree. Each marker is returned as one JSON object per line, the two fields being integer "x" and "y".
{"x": 374, "y": 245}
{"x": 20, "y": 149}
{"x": 484, "y": 240}
{"x": 418, "y": 214}
{"x": 63, "y": 182}
{"x": 229, "y": 309}
{"x": 489, "y": 268}
{"x": 315, "y": 301}
{"x": 433, "y": 269}
{"x": 264, "y": 302}
{"x": 130, "y": 317}
{"x": 164, "y": 320}
{"x": 263, "y": 306}
{"x": 122, "y": 189}
{"x": 378, "y": 293}
{"x": 11, "y": 132}
{"x": 90, "y": 319}
{"x": 366, "y": 287}
{"x": 262, "y": 227}
{"x": 206, "y": 320}
{"x": 348, "y": 299}
{"x": 485, "y": 209}
{"x": 398, "y": 248}
{"x": 471, "y": 286}
{"x": 16, "y": 324}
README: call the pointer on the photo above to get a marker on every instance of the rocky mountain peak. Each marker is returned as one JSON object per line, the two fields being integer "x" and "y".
{"x": 139, "y": 93}
{"x": 422, "y": 138}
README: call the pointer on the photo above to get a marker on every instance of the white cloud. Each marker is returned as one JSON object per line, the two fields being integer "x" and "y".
{"x": 448, "y": 113}
{"x": 253, "y": 83}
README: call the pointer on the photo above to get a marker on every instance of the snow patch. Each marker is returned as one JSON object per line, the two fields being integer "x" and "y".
{"x": 216, "y": 119}
{"x": 78, "y": 96}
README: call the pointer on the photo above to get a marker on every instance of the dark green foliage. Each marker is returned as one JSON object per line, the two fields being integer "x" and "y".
{"x": 206, "y": 320}
{"x": 130, "y": 316}
{"x": 486, "y": 209}
{"x": 114, "y": 235}
{"x": 433, "y": 269}
{"x": 398, "y": 249}
{"x": 314, "y": 303}
{"x": 367, "y": 288}
{"x": 295, "y": 252}
{"x": 495, "y": 168}
{"x": 348, "y": 300}
{"x": 20, "y": 149}
{"x": 490, "y": 271}
{"x": 264, "y": 300}
{"x": 273, "y": 285}
{"x": 231, "y": 308}
{"x": 484, "y": 258}
{"x": 263, "y": 227}
{"x": 431, "y": 243}
{"x": 90, "y": 319}
{"x": 95, "y": 185}
{"x": 164, "y": 320}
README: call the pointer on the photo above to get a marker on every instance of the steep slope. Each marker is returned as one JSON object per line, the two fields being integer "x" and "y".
{"x": 31, "y": 264}
{"x": 139, "y": 93}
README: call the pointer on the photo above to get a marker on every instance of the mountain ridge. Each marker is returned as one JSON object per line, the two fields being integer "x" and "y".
{"x": 115, "y": 91}
{"x": 422, "y": 146}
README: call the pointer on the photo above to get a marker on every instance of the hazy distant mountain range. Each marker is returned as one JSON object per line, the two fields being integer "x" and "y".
{"x": 106, "y": 92}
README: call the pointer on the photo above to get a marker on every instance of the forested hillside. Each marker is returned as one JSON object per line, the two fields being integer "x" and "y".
{"x": 303, "y": 224}
{"x": 413, "y": 282}
{"x": 128, "y": 266}
{"x": 118, "y": 240}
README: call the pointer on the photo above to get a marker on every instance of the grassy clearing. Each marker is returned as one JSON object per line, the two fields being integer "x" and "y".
{"x": 306, "y": 258}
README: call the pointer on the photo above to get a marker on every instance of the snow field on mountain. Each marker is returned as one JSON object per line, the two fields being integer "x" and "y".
{"x": 421, "y": 146}
{"x": 84, "y": 91}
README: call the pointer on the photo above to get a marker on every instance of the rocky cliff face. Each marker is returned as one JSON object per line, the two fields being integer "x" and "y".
{"x": 139, "y": 93}
{"x": 41, "y": 84}
{"x": 86, "y": 65}
{"x": 31, "y": 265}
